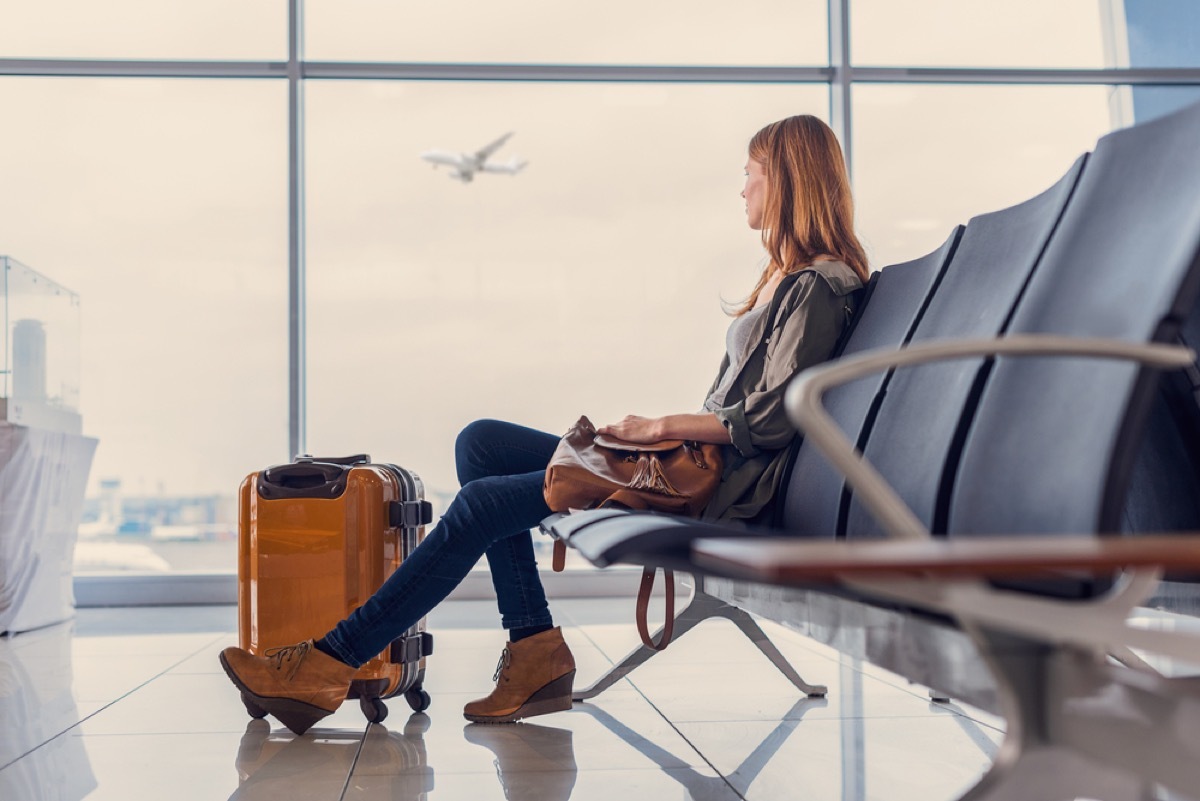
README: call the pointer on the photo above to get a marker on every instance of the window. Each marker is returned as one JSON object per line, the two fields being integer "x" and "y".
{"x": 590, "y": 283}
{"x": 702, "y": 32}
{"x": 159, "y": 202}
{"x": 163, "y": 203}
{"x": 930, "y": 157}
{"x": 144, "y": 29}
{"x": 979, "y": 33}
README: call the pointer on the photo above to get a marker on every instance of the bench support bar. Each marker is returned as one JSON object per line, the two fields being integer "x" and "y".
{"x": 701, "y": 607}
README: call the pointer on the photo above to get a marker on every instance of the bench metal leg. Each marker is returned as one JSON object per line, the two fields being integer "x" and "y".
{"x": 701, "y": 607}
{"x": 1080, "y": 727}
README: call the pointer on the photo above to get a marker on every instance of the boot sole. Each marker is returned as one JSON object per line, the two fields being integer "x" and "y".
{"x": 554, "y": 697}
{"x": 296, "y": 715}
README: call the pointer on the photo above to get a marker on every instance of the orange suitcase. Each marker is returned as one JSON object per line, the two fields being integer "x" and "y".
{"x": 315, "y": 539}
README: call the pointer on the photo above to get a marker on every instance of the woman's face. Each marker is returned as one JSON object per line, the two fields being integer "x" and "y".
{"x": 755, "y": 193}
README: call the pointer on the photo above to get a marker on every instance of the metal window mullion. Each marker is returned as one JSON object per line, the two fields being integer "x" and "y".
{"x": 297, "y": 310}
{"x": 839, "y": 72}
{"x": 115, "y": 68}
{"x": 935, "y": 75}
{"x": 575, "y": 73}
{"x": 841, "y": 78}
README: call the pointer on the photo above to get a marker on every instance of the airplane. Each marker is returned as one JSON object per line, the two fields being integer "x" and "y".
{"x": 465, "y": 165}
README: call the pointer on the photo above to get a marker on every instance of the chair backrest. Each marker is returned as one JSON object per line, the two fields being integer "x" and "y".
{"x": 812, "y": 493}
{"x": 1054, "y": 441}
{"x": 915, "y": 433}
{"x": 1164, "y": 489}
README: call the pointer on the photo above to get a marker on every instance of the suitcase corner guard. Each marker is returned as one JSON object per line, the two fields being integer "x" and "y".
{"x": 410, "y": 648}
{"x": 409, "y": 514}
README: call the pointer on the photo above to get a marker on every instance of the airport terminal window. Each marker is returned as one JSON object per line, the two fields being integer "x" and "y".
{"x": 1160, "y": 33}
{"x": 1143, "y": 103}
{"x": 930, "y": 157}
{"x": 532, "y": 298}
{"x": 703, "y": 32}
{"x": 150, "y": 29}
{"x": 160, "y": 203}
{"x": 979, "y": 33}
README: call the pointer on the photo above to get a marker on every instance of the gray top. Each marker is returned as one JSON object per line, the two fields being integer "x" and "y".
{"x": 737, "y": 342}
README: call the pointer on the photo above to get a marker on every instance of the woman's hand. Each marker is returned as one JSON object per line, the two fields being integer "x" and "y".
{"x": 637, "y": 429}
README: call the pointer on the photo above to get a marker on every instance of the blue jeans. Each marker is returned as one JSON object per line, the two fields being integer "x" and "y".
{"x": 501, "y": 468}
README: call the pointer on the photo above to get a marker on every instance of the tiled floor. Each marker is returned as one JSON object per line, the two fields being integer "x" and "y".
{"x": 132, "y": 704}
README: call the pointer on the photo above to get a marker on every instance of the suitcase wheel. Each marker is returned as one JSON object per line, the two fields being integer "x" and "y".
{"x": 418, "y": 699}
{"x": 373, "y": 709}
{"x": 254, "y": 709}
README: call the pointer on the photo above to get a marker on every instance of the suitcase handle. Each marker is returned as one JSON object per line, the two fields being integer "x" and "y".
{"x": 358, "y": 458}
{"x": 303, "y": 480}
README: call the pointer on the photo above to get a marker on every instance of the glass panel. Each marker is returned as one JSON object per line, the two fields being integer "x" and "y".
{"x": 151, "y": 29}
{"x": 549, "y": 31}
{"x": 929, "y": 157}
{"x": 980, "y": 33}
{"x": 1158, "y": 33}
{"x": 163, "y": 204}
{"x": 41, "y": 359}
{"x": 1144, "y": 103}
{"x": 589, "y": 283}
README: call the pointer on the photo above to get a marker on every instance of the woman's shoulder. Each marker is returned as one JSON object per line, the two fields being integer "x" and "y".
{"x": 837, "y": 276}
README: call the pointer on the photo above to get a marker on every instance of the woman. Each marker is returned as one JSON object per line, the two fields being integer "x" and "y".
{"x": 798, "y": 194}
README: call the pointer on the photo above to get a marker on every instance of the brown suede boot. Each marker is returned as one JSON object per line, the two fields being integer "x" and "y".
{"x": 298, "y": 684}
{"x": 535, "y": 676}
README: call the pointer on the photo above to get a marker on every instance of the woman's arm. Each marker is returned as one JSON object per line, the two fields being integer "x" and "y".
{"x": 702, "y": 427}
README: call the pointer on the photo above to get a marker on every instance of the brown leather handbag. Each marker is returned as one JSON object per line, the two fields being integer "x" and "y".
{"x": 590, "y": 470}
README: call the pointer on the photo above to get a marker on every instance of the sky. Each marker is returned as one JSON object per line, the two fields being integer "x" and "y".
{"x": 592, "y": 283}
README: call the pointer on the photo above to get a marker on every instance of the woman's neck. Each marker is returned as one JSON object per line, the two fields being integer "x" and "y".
{"x": 768, "y": 290}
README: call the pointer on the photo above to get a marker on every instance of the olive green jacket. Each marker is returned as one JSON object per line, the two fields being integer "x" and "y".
{"x": 813, "y": 310}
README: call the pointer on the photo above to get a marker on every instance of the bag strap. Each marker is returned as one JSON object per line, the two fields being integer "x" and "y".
{"x": 559, "y": 560}
{"x": 643, "y": 606}
{"x": 777, "y": 298}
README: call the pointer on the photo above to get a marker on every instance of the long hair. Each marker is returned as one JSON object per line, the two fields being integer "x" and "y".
{"x": 808, "y": 211}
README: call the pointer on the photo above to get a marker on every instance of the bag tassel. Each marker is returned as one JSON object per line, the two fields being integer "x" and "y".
{"x": 649, "y": 476}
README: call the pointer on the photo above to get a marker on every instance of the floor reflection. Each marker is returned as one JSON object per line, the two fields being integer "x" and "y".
{"x": 37, "y": 703}
{"x": 698, "y": 785}
{"x": 272, "y": 764}
{"x": 121, "y": 706}
{"x": 532, "y": 761}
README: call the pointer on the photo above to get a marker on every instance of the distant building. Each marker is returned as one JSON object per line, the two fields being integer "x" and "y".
{"x": 202, "y": 517}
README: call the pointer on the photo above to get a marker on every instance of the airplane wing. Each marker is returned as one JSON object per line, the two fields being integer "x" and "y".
{"x": 485, "y": 153}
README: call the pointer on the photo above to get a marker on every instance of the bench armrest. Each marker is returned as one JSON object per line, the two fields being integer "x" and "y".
{"x": 943, "y": 577}
{"x": 803, "y": 401}
{"x": 789, "y": 561}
